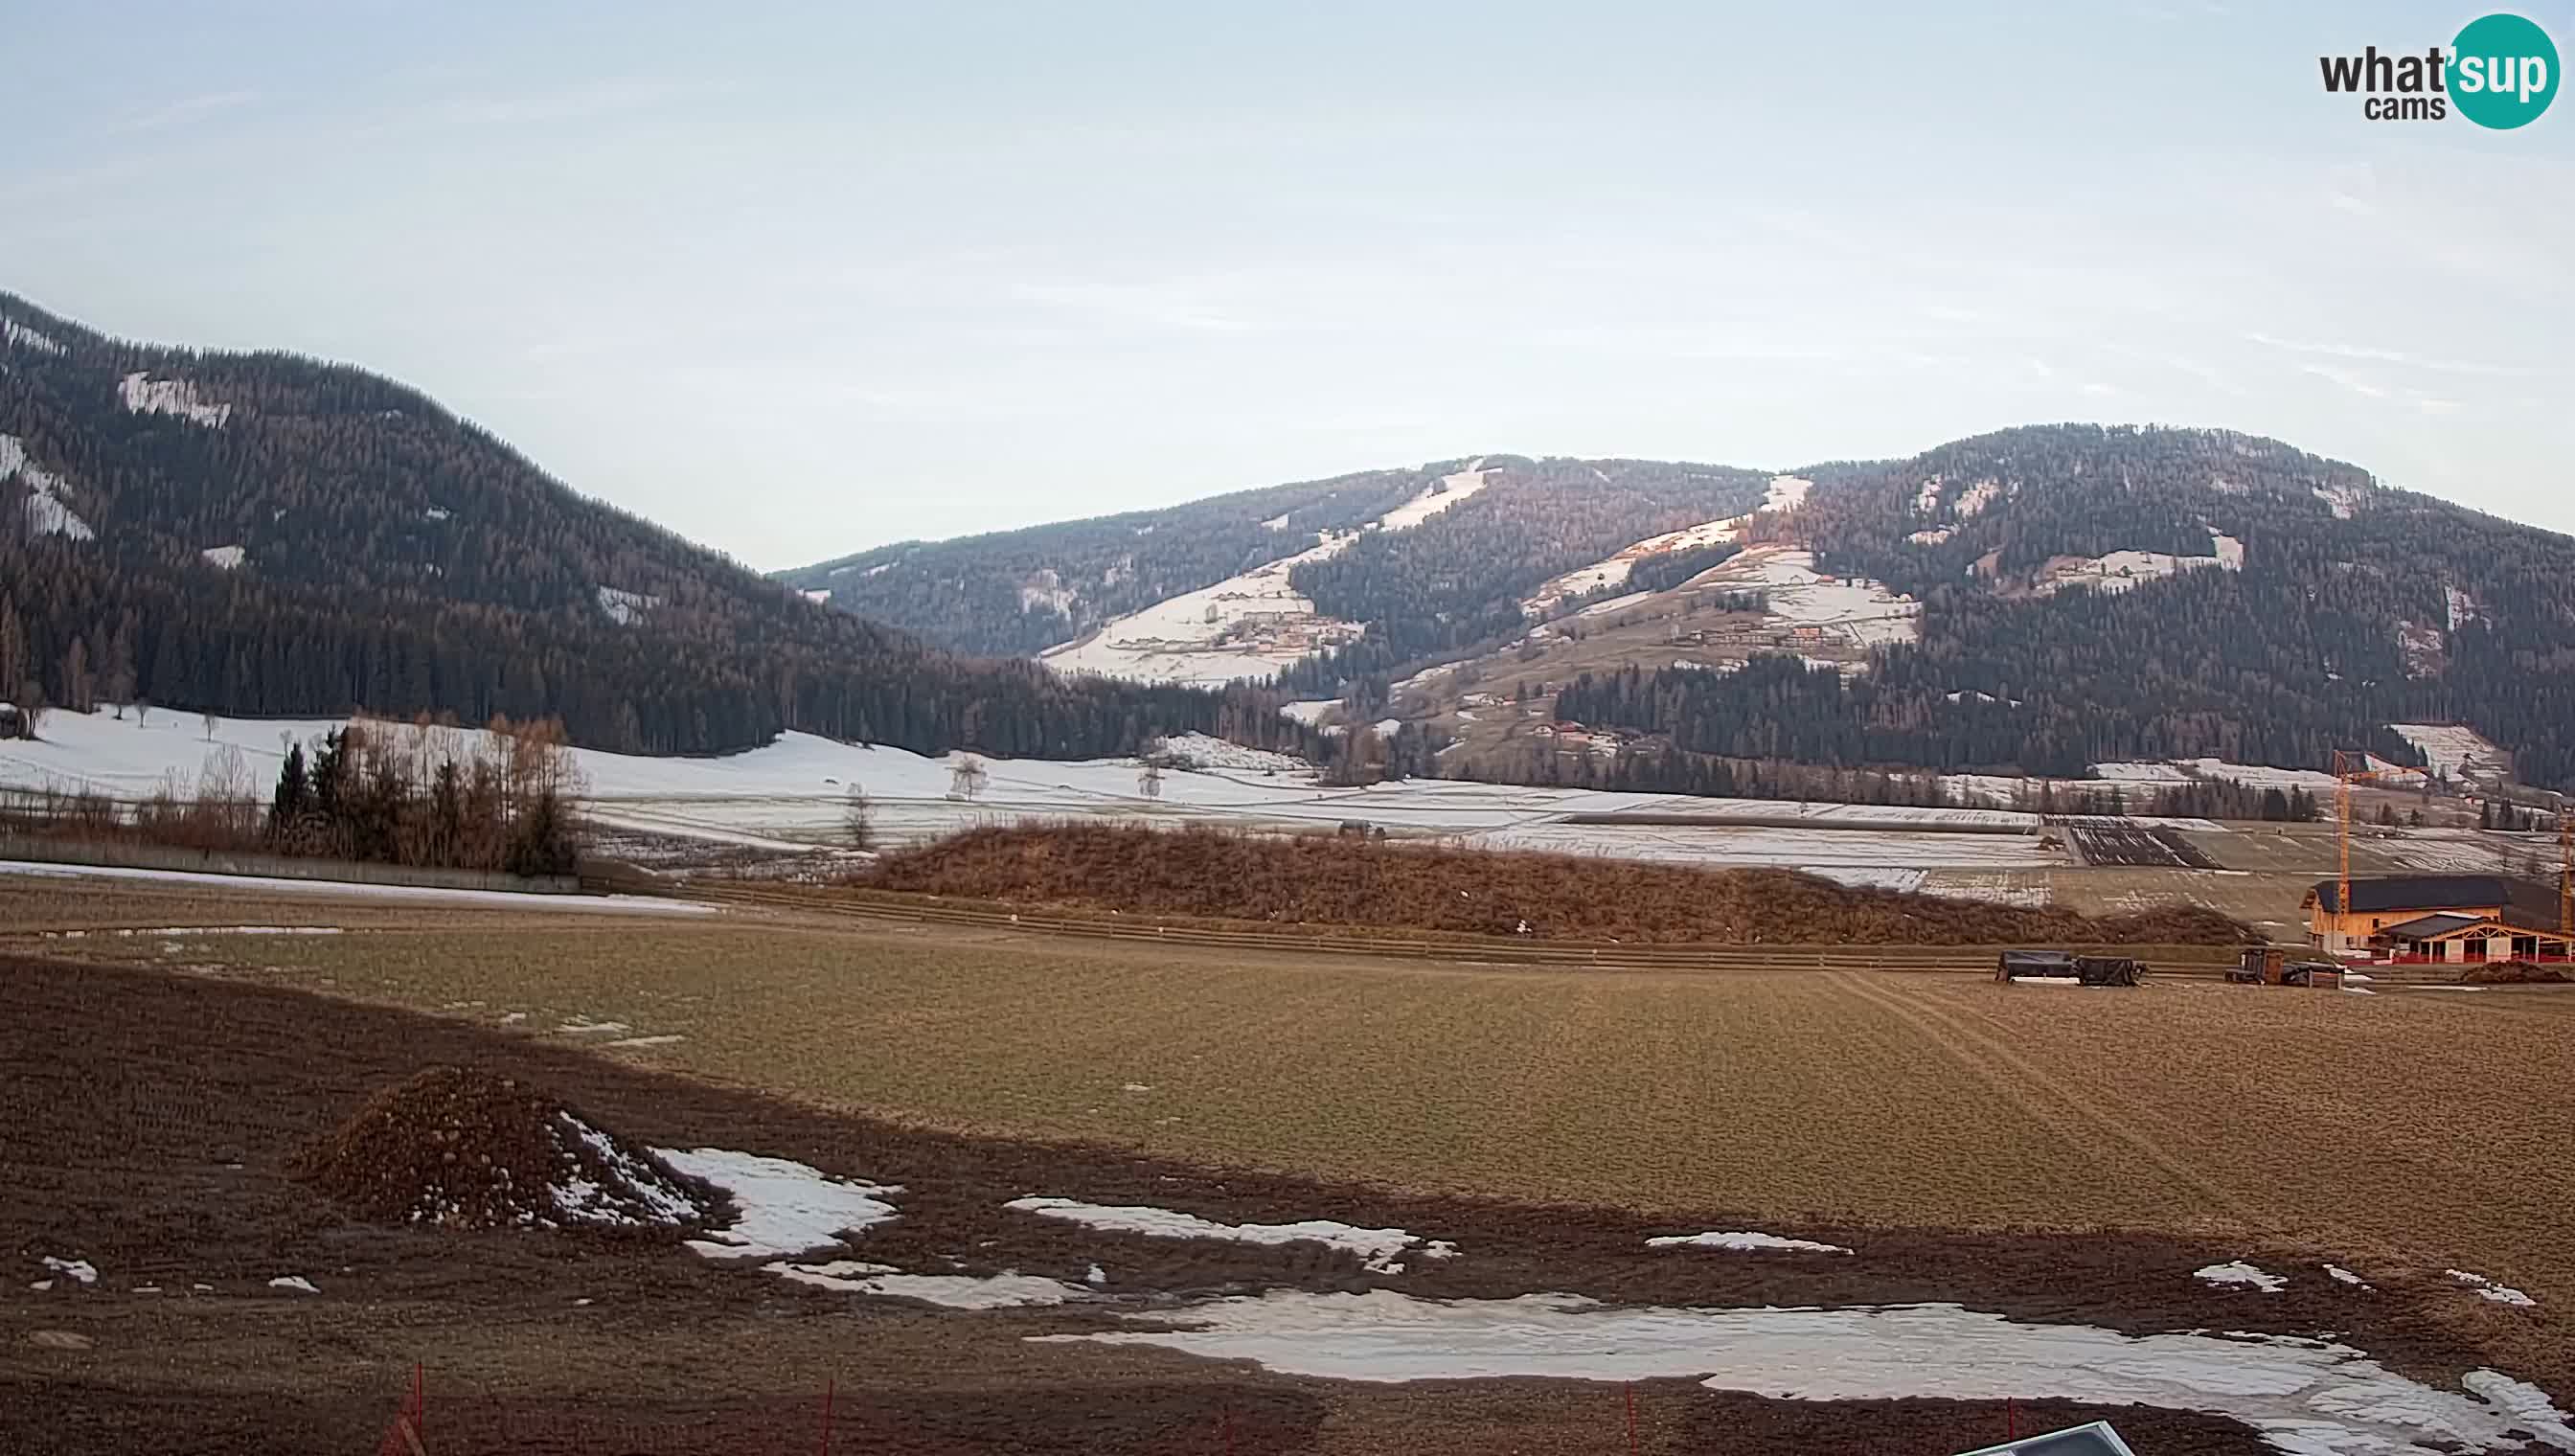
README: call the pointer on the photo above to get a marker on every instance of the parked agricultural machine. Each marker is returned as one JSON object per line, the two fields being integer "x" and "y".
{"x": 2270, "y": 966}
{"x": 2065, "y": 965}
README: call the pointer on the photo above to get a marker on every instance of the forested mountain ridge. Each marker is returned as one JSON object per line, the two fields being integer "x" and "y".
{"x": 2085, "y": 594}
{"x": 263, "y": 534}
{"x": 1027, "y": 589}
{"x": 2092, "y": 594}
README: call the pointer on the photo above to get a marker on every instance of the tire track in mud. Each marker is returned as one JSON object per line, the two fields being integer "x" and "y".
{"x": 1995, "y": 1061}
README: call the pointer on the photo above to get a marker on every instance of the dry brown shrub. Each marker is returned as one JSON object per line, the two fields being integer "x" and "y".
{"x": 1345, "y": 881}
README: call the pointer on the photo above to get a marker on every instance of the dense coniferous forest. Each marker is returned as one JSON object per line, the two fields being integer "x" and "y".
{"x": 260, "y": 534}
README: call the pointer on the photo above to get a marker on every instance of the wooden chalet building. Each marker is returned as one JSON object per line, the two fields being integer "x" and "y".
{"x": 2439, "y": 917}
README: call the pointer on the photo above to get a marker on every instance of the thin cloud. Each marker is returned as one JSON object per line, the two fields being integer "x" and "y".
{"x": 2374, "y": 355}
{"x": 179, "y": 113}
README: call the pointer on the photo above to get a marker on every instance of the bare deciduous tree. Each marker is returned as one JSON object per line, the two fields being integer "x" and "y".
{"x": 966, "y": 779}
{"x": 857, "y": 820}
{"x": 1150, "y": 782}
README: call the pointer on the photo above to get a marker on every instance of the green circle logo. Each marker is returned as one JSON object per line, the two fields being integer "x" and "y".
{"x": 2503, "y": 71}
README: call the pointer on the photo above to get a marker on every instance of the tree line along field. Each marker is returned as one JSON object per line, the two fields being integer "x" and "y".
{"x": 2415, "y": 1128}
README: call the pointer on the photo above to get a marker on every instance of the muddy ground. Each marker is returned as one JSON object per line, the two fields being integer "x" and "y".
{"x": 146, "y": 1118}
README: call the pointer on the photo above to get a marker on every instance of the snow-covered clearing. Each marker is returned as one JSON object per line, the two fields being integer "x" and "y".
{"x": 1246, "y": 626}
{"x": 2240, "y": 1272}
{"x": 224, "y": 557}
{"x": 2141, "y": 773}
{"x": 2463, "y": 608}
{"x": 1583, "y": 580}
{"x": 2344, "y": 501}
{"x": 1275, "y": 523}
{"x": 1977, "y": 497}
{"x": 787, "y": 1208}
{"x": 1786, "y": 492}
{"x": 1205, "y": 751}
{"x": 1853, "y": 611}
{"x": 46, "y": 512}
{"x": 146, "y": 396}
{"x": 625, "y": 608}
{"x": 1743, "y": 1242}
{"x": 1450, "y": 490}
{"x": 1933, "y": 537}
{"x": 2453, "y": 750}
{"x": 2121, "y": 571}
{"x": 2311, "y": 1397}
{"x": 14, "y": 335}
{"x": 1381, "y": 1249}
{"x": 1309, "y": 712}
{"x": 1007, "y": 1290}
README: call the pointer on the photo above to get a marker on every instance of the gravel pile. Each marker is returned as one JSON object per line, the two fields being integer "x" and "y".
{"x": 462, "y": 1148}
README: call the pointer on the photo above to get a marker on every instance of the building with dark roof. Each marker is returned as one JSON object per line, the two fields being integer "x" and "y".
{"x": 2440, "y": 917}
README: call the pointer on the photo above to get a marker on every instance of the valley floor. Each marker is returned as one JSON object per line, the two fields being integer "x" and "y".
{"x": 2067, "y": 1159}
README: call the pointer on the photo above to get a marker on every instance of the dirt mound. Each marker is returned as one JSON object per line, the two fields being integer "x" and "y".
{"x": 2512, "y": 973}
{"x": 463, "y": 1148}
{"x": 1326, "y": 879}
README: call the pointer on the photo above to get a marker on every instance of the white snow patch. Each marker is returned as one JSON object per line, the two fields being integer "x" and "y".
{"x": 2488, "y": 1289}
{"x": 1096, "y": 1278}
{"x": 1933, "y": 537}
{"x": 1275, "y": 523}
{"x": 817, "y": 595}
{"x": 1583, "y": 581}
{"x": 2344, "y": 501}
{"x": 1977, "y": 497}
{"x": 79, "y": 1271}
{"x": 1742, "y": 1241}
{"x": 1786, "y": 492}
{"x": 571, "y": 903}
{"x": 1613, "y": 604}
{"x": 1050, "y": 593}
{"x": 663, "y": 1041}
{"x": 1853, "y": 611}
{"x": 2121, "y": 571}
{"x": 1206, "y": 750}
{"x": 1435, "y": 499}
{"x": 1009, "y": 1289}
{"x": 225, "y": 558}
{"x": 2240, "y": 1272}
{"x": 1309, "y": 712}
{"x": 2311, "y": 1397}
{"x": 46, "y": 512}
{"x": 583, "y": 1026}
{"x": 637, "y": 1194}
{"x": 436, "y": 513}
{"x": 1246, "y": 626}
{"x": 2342, "y": 1275}
{"x": 2462, "y": 606}
{"x": 236, "y": 930}
{"x": 15, "y": 335}
{"x": 2453, "y": 750}
{"x": 296, "y": 1282}
{"x": 1379, "y": 1248}
{"x": 625, "y": 608}
{"x": 145, "y": 396}
{"x": 787, "y": 1208}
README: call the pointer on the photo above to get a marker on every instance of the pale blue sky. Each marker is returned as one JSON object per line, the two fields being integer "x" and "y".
{"x": 799, "y": 281}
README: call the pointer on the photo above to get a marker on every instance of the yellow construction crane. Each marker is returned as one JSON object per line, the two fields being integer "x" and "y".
{"x": 2349, "y": 768}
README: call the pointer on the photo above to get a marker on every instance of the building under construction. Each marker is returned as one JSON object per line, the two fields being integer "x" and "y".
{"x": 2462, "y": 918}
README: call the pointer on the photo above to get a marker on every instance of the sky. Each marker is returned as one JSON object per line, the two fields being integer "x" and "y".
{"x": 799, "y": 280}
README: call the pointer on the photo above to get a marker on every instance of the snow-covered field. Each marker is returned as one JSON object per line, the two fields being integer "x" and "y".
{"x": 1853, "y": 611}
{"x": 2453, "y": 750}
{"x": 2121, "y": 571}
{"x": 1246, "y": 626}
{"x": 792, "y": 794}
{"x": 1586, "y": 580}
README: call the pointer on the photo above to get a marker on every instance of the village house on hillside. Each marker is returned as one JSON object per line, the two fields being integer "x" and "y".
{"x": 2439, "y": 917}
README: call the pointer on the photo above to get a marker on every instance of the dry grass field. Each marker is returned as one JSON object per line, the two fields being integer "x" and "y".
{"x": 2414, "y": 1127}
{"x": 1323, "y": 880}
